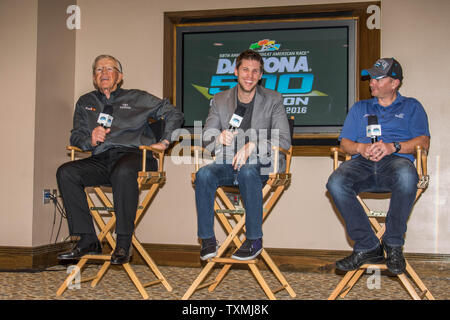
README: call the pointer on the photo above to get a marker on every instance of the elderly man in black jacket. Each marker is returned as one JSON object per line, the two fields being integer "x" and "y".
{"x": 116, "y": 158}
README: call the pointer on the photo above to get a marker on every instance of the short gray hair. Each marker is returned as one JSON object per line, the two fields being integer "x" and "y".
{"x": 116, "y": 61}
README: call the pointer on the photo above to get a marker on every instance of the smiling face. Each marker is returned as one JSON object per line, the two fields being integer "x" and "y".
{"x": 248, "y": 74}
{"x": 106, "y": 75}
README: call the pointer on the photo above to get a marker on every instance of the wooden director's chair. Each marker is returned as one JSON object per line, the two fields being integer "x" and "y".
{"x": 375, "y": 218}
{"x": 151, "y": 180}
{"x": 232, "y": 218}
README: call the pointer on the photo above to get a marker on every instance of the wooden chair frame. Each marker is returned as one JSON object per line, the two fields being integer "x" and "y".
{"x": 233, "y": 221}
{"x": 146, "y": 179}
{"x": 351, "y": 277}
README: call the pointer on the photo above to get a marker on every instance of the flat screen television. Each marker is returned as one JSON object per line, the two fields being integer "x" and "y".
{"x": 311, "y": 63}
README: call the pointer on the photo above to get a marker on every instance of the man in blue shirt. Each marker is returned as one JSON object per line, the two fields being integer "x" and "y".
{"x": 380, "y": 162}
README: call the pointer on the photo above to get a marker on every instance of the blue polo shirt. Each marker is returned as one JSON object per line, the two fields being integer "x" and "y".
{"x": 403, "y": 120}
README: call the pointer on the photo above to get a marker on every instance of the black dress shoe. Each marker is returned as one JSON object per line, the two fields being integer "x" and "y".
{"x": 357, "y": 259}
{"x": 121, "y": 255}
{"x": 77, "y": 252}
{"x": 395, "y": 262}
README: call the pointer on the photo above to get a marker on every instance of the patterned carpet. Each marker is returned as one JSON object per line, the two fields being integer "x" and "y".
{"x": 239, "y": 284}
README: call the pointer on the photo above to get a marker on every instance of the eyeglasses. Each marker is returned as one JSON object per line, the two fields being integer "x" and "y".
{"x": 108, "y": 69}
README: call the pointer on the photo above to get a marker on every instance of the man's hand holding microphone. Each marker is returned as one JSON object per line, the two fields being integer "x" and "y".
{"x": 104, "y": 122}
{"x": 226, "y": 138}
{"x": 377, "y": 150}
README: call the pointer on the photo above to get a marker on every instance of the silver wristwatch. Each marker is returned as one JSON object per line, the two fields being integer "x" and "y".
{"x": 165, "y": 143}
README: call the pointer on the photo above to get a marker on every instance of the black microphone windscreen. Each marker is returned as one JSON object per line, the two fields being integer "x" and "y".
{"x": 108, "y": 109}
{"x": 240, "y": 111}
{"x": 372, "y": 119}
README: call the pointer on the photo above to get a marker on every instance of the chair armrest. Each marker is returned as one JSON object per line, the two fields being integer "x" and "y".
{"x": 421, "y": 165}
{"x": 150, "y": 148}
{"x": 286, "y": 152}
{"x": 160, "y": 154}
{"x": 73, "y": 150}
{"x": 200, "y": 154}
{"x": 336, "y": 153}
{"x": 338, "y": 150}
{"x": 421, "y": 157}
{"x": 276, "y": 160}
{"x": 196, "y": 151}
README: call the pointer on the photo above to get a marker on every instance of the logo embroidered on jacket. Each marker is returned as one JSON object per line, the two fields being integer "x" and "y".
{"x": 90, "y": 108}
{"x": 400, "y": 115}
{"x": 124, "y": 106}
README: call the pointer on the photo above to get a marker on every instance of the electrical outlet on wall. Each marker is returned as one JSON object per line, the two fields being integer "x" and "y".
{"x": 46, "y": 196}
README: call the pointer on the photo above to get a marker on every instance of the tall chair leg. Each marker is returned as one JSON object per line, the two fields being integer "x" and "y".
{"x": 71, "y": 277}
{"x": 278, "y": 273}
{"x": 220, "y": 277}
{"x": 205, "y": 271}
{"x": 418, "y": 282}
{"x": 151, "y": 263}
{"x": 101, "y": 273}
{"x": 341, "y": 285}
{"x": 408, "y": 286}
{"x": 226, "y": 267}
{"x": 262, "y": 282}
{"x": 352, "y": 282}
{"x": 135, "y": 280}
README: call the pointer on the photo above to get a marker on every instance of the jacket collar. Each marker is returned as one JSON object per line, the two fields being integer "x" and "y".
{"x": 101, "y": 96}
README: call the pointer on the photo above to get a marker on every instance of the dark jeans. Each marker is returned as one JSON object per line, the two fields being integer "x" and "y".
{"x": 118, "y": 168}
{"x": 250, "y": 182}
{"x": 393, "y": 174}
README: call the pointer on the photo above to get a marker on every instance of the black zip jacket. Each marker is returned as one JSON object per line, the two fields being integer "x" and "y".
{"x": 130, "y": 126}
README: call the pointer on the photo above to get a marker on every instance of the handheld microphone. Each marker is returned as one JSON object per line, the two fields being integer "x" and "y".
{"x": 235, "y": 122}
{"x": 373, "y": 129}
{"x": 105, "y": 118}
{"x": 236, "y": 119}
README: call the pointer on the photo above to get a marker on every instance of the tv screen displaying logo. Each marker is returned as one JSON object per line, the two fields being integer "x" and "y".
{"x": 308, "y": 66}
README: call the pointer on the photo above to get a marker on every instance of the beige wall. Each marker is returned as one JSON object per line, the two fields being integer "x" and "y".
{"x": 415, "y": 31}
{"x": 54, "y": 110}
{"x": 421, "y": 43}
{"x": 18, "y": 38}
{"x": 37, "y": 83}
